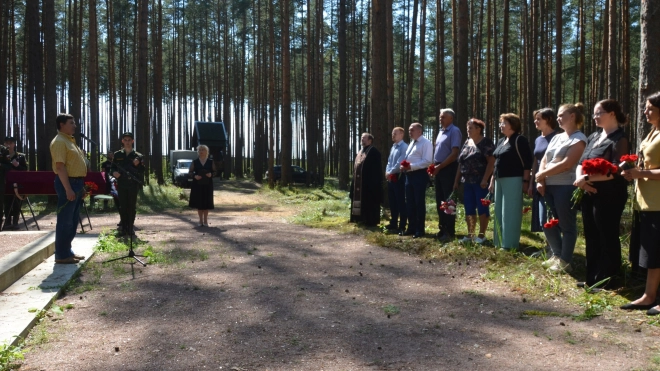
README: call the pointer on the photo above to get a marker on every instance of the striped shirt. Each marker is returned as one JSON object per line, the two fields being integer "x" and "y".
{"x": 64, "y": 149}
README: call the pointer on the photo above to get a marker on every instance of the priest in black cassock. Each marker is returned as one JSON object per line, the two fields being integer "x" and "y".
{"x": 367, "y": 186}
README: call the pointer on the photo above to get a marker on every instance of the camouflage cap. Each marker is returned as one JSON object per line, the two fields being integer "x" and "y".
{"x": 128, "y": 134}
{"x": 10, "y": 139}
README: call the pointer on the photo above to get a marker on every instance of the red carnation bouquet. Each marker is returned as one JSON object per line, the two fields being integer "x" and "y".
{"x": 551, "y": 223}
{"x": 449, "y": 206}
{"x": 486, "y": 201}
{"x": 88, "y": 188}
{"x": 393, "y": 177}
{"x": 593, "y": 166}
{"x": 431, "y": 169}
{"x": 628, "y": 162}
{"x": 405, "y": 164}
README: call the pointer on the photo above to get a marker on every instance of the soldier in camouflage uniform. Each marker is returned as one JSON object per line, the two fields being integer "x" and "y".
{"x": 128, "y": 169}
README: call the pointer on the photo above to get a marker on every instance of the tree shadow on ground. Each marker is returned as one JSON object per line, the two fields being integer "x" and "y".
{"x": 279, "y": 296}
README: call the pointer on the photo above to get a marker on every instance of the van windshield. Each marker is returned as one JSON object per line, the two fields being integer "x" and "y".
{"x": 184, "y": 164}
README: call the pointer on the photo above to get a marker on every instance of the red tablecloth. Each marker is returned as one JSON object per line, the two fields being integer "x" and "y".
{"x": 42, "y": 182}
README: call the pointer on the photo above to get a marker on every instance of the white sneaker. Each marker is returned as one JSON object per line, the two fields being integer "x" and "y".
{"x": 560, "y": 266}
{"x": 550, "y": 262}
{"x": 465, "y": 239}
{"x": 206, "y": 224}
{"x": 479, "y": 241}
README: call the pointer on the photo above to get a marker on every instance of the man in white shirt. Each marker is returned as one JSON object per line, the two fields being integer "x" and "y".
{"x": 420, "y": 156}
{"x": 395, "y": 183}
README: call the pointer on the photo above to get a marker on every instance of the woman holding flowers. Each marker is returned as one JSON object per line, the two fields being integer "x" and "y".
{"x": 554, "y": 181}
{"x": 513, "y": 162}
{"x": 476, "y": 163}
{"x": 545, "y": 121}
{"x": 647, "y": 202}
{"x": 605, "y": 193}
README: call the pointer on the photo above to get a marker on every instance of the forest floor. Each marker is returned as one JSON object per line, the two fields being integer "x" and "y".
{"x": 255, "y": 292}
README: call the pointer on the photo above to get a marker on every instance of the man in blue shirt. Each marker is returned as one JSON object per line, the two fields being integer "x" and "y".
{"x": 447, "y": 147}
{"x": 396, "y": 185}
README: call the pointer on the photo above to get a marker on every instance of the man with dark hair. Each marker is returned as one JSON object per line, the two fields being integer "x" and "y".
{"x": 12, "y": 203}
{"x": 367, "y": 186}
{"x": 128, "y": 169}
{"x": 69, "y": 165}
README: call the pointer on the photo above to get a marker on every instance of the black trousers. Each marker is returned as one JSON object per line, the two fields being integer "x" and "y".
{"x": 397, "y": 197}
{"x": 127, "y": 207}
{"x": 444, "y": 186}
{"x": 601, "y": 217}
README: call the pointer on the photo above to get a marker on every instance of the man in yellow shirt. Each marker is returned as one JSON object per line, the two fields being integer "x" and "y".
{"x": 69, "y": 165}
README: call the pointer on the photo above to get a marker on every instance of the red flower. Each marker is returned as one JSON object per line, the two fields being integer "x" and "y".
{"x": 526, "y": 209}
{"x": 430, "y": 169}
{"x": 449, "y": 207}
{"x": 91, "y": 186}
{"x": 485, "y": 202}
{"x": 551, "y": 223}
{"x": 598, "y": 166}
{"x": 405, "y": 163}
{"x": 629, "y": 158}
{"x": 393, "y": 178}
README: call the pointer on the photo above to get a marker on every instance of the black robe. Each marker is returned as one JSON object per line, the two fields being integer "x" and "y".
{"x": 367, "y": 187}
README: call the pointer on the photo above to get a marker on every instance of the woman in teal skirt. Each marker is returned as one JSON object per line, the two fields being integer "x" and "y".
{"x": 513, "y": 163}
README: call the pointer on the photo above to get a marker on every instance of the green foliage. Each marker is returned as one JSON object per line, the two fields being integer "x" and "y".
{"x": 8, "y": 355}
{"x": 107, "y": 242}
{"x": 391, "y": 309}
{"x": 595, "y": 305}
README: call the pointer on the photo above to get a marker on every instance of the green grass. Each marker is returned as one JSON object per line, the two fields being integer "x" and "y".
{"x": 9, "y": 354}
{"x": 391, "y": 309}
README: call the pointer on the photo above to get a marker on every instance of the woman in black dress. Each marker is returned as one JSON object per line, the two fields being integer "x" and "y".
{"x": 201, "y": 192}
{"x": 605, "y": 196}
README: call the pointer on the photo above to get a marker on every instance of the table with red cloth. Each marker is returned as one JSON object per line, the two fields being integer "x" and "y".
{"x": 27, "y": 183}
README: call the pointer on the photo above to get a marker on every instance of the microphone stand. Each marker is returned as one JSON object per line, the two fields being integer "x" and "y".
{"x": 131, "y": 253}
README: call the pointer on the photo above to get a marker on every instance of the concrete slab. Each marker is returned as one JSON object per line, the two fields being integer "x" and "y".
{"x": 21, "y": 303}
{"x": 17, "y": 263}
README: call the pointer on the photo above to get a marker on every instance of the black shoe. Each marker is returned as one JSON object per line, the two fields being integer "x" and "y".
{"x": 419, "y": 235}
{"x": 406, "y": 233}
{"x": 581, "y": 284}
{"x": 653, "y": 312}
{"x": 446, "y": 238}
{"x": 631, "y": 306}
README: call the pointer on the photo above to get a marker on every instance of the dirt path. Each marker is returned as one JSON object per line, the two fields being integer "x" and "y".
{"x": 252, "y": 292}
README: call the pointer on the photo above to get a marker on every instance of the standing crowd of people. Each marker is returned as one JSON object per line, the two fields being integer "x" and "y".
{"x": 556, "y": 173}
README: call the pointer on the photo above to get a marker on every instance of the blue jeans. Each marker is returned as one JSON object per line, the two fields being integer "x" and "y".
{"x": 416, "y": 183}
{"x": 68, "y": 215}
{"x": 397, "y": 197}
{"x": 562, "y": 237}
{"x": 472, "y": 195}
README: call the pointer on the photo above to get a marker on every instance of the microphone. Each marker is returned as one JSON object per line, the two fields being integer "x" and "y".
{"x": 87, "y": 139}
